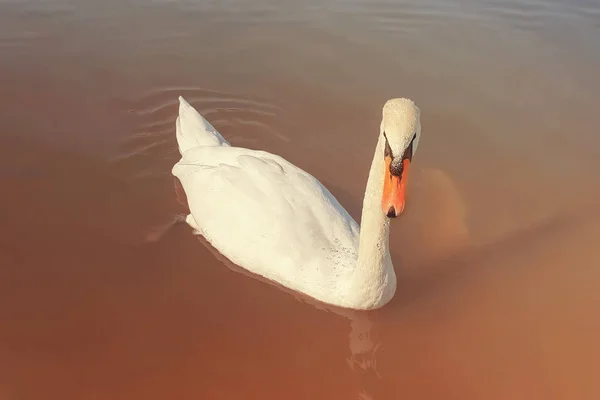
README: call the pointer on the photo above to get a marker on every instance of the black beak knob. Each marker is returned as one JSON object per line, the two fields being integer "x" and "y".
{"x": 391, "y": 212}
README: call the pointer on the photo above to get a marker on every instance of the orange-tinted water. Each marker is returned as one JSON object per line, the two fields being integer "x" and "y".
{"x": 497, "y": 253}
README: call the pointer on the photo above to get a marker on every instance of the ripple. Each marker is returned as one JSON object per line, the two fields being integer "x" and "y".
{"x": 246, "y": 120}
{"x": 235, "y": 104}
{"x": 394, "y": 17}
{"x": 139, "y": 150}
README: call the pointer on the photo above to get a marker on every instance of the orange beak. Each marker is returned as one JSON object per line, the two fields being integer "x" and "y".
{"x": 394, "y": 189}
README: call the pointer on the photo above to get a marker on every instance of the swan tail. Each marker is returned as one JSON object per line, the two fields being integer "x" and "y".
{"x": 192, "y": 130}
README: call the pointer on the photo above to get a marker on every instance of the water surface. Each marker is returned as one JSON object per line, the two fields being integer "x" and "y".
{"x": 496, "y": 255}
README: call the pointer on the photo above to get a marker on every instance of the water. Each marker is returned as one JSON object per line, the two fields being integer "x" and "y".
{"x": 496, "y": 254}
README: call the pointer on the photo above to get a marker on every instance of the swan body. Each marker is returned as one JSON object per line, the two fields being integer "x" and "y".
{"x": 272, "y": 218}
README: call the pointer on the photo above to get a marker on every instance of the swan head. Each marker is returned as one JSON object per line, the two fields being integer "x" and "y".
{"x": 401, "y": 131}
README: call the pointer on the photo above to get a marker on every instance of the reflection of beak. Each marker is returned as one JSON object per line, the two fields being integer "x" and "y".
{"x": 394, "y": 189}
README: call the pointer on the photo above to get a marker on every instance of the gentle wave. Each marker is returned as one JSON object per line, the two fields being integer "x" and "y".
{"x": 384, "y": 15}
{"x": 154, "y": 113}
{"x": 140, "y": 150}
{"x": 201, "y": 94}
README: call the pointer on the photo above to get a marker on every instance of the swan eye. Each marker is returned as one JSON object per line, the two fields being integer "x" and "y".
{"x": 388, "y": 149}
{"x": 408, "y": 153}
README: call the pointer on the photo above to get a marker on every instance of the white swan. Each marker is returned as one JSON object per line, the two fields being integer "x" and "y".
{"x": 273, "y": 219}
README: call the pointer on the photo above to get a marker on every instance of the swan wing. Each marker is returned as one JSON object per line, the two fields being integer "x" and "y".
{"x": 267, "y": 215}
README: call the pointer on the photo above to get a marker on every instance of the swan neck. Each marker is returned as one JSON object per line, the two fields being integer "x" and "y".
{"x": 374, "y": 275}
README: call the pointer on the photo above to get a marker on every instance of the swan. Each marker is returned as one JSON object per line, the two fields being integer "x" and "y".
{"x": 277, "y": 221}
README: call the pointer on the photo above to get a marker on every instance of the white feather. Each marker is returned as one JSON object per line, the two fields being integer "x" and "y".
{"x": 276, "y": 220}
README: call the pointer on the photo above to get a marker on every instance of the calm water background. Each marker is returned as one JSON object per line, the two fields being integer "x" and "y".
{"x": 497, "y": 254}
